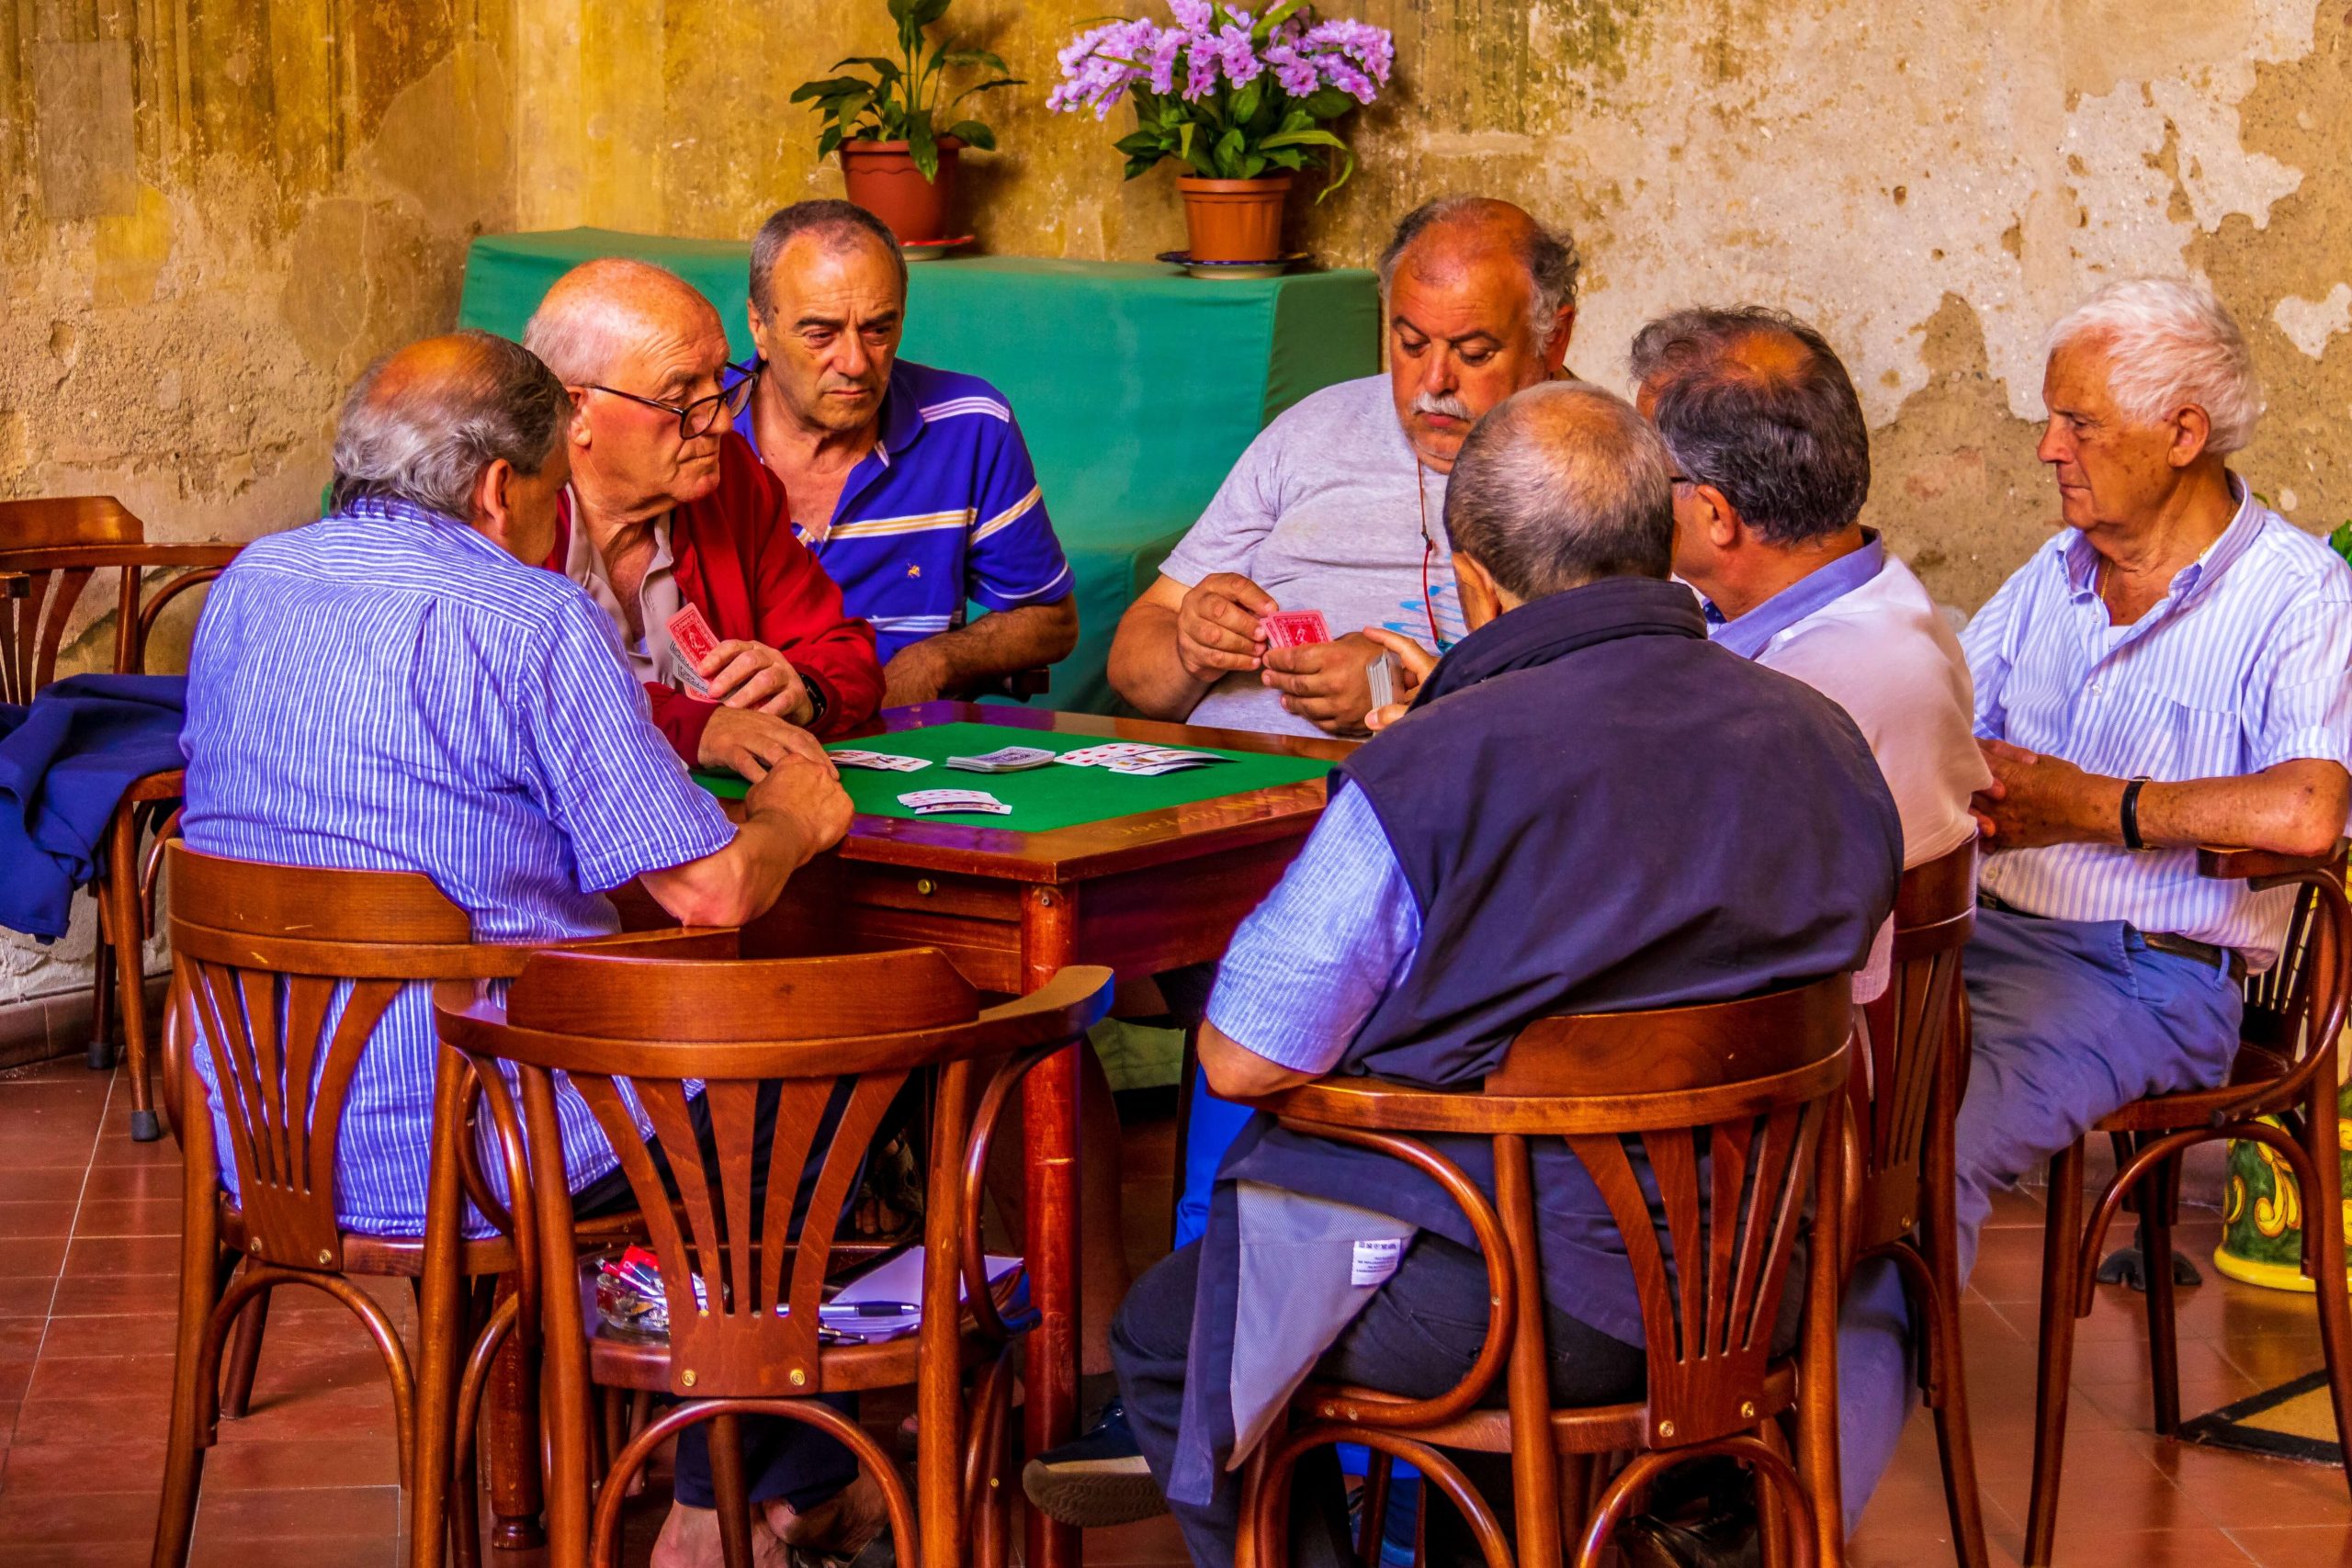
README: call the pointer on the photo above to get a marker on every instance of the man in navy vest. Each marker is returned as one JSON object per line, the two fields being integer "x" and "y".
{"x": 1589, "y": 808}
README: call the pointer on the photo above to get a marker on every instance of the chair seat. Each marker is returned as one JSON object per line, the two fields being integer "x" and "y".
{"x": 2256, "y": 1067}
{"x": 402, "y": 1257}
{"x": 1583, "y": 1429}
{"x": 622, "y": 1360}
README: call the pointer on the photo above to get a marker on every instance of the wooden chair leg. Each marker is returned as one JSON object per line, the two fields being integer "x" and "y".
{"x": 1374, "y": 1523}
{"x": 100, "y": 1055}
{"x": 2325, "y": 1237}
{"x": 2159, "y": 1192}
{"x": 1955, "y": 1445}
{"x": 127, "y": 913}
{"x": 730, "y": 1491}
{"x": 511, "y": 1429}
{"x": 194, "y": 1404}
{"x": 2061, "y": 1236}
{"x": 244, "y": 1356}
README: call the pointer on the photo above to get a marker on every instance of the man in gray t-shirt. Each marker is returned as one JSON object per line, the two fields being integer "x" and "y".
{"x": 1339, "y": 504}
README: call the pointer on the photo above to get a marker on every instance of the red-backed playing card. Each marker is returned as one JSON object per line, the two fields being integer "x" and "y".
{"x": 1297, "y": 628}
{"x": 693, "y": 634}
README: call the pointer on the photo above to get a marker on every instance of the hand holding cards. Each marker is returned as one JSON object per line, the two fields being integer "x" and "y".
{"x": 1295, "y": 628}
{"x": 696, "y": 642}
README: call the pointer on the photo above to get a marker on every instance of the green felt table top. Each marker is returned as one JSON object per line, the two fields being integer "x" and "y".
{"x": 1054, "y": 795}
{"x": 1136, "y": 387}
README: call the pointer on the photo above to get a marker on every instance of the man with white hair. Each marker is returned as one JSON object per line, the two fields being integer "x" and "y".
{"x": 2173, "y": 668}
{"x": 669, "y": 509}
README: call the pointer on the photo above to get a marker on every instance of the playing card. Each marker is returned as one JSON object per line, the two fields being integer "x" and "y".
{"x": 940, "y": 802}
{"x": 965, "y": 808}
{"x": 1381, "y": 676}
{"x": 693, "y": 634}
{"x": 1153, "y": 770}
{"x": 1295, "y": 628}
{"x": 1104, "y": 754}
{"x": 882, "y": 761}
{"x": 1003, "y": 759}
{"x": 1162, "y": 760}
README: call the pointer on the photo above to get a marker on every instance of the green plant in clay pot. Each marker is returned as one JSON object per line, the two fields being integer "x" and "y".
{"x": 895, "y": 125}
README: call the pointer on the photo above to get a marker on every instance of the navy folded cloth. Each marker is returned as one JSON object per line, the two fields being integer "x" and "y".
{"x": 65, "y": 760}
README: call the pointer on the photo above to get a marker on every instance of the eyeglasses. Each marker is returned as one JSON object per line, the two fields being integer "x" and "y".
{"x": 696, "y": 419}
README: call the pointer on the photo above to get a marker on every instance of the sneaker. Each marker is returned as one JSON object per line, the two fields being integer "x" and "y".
{"x": 1097, "y": 1478}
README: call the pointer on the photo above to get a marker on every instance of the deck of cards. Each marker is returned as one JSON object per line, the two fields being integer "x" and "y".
{"x": 1137, "y": 759}
{"x": 954, "y": 803}
{"x": 1295, "y": 628}
{"x": 696, "y": 642}
{"x": 881, "y": 761}
{"x": 1003, "y": 759}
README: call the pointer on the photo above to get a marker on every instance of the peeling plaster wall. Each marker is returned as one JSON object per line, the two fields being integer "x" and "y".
{"x": 216, "y": 212}
{"x": 1931, "y": 182}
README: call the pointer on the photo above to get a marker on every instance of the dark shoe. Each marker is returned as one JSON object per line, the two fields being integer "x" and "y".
{"x": 1723, "y": 1539}
{"x": 1097, "y": 1478}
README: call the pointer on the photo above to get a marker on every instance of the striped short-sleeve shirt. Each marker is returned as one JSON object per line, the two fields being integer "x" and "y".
{"x": 386, "y": 690}
{"x": 946, "y": 510}
{"x": 2247, "y": 663}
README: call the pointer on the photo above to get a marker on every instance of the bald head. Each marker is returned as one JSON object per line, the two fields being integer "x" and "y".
{"x": 423, "y": 423}
{"x": 1755, "y": 404}
{"x": 1560, "y": 485}
{"x": 1441, "y": 238}
{"x": 603, "y": 311}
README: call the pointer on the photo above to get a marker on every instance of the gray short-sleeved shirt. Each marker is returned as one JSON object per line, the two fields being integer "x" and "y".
{"x": 1320, "y": 513}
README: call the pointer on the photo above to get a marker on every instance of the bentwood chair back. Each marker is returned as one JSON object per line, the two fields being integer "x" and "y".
{"x": 48, "y": 551}
{"x": 745, "y": 1262}
{"x": 1914, "y": 1047}
{"x": 1730, "y": 1112}
{"x": 2282, "y": 1095}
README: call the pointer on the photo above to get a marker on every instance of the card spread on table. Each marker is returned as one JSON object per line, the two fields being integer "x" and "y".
{"x": 1295, "y": 628}
{"x": 951, "y": 802}
{"x": 1106, "y": 754}
{"x": 694, "y": 642}
{"x": 882, "y": 761}
{"x": 1003, "y": 759}
{"x": 1154, "y": 760}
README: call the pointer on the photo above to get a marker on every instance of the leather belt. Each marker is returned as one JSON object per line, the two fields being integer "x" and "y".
{"x": 2207, "y": 953}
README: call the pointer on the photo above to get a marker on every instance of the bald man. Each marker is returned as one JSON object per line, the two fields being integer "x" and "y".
{"x": 669, "y": 509}
{"x": 1337, "y": 505}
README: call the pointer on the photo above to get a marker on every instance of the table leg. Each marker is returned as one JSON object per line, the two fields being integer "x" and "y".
{"x": 513, "y": 1447}
{"x": 1049, "y": 1121}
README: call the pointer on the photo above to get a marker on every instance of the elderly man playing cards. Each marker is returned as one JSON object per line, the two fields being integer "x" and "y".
{"x": 674, "y": 528}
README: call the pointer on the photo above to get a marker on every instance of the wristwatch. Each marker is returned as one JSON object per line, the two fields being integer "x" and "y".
{"x": 2131, "y": 813}
{"x": 817, "y": 704}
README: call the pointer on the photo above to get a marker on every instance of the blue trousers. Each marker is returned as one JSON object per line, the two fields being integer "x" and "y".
{"x": 2073, "y": 1020}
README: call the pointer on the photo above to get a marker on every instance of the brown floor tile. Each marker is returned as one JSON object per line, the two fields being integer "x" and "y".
{"x": 31, "y": 1520}
{"x": 2095, "y": 1548}
{"x": 107, "y": 1295}
{"x": 37, "y": 1218}
{"x": 312, "y": 1512}
{"x": 2241, "y": 1490}
{"x": 281, "y": 1464}
{"x": 72, "y": 1464}
{"x": 23, "y": 1298}
{"x": 211, "y": 1551}
{"x": 32, "y": 1257}
{"x": 157, "y": 1215}
{"x": 133, "y": 1181}
{"x": 1147, "y": 1543}
{"x": 2297, "y": 1545}
{"x": 52, "y": 1184}
{"x": 113, "y": 1419}
{"x": 102, "y": 1377}
{"x": 122, "y": 1255}
{"x": 120, "y": 1335}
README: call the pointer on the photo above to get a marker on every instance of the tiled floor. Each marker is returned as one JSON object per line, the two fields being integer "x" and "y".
{"x": 88, "y": 1256}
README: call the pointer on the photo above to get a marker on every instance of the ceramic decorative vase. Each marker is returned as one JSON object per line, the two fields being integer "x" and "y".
{"x": 2262, "y": 1213}
{"x": 1235, "y": 221}
{"x": 881, "y": 177}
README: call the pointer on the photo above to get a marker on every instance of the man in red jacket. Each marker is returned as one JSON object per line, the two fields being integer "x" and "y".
{"x": 669, "y": 507}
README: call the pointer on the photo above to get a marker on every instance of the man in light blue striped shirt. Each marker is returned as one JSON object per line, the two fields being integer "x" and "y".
{"x": 2173, "y": 668}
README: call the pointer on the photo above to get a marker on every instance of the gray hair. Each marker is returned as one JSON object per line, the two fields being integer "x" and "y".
{"x": 1786, "y": 443}
{"x": 1561, "y": 484}
{"x": 839, "y": 223}
{"x": 1549, "y": 255}
{"x": 603, "y": 309}
{"x": 425, "y": 438}
{"x": 2169, "y": 343}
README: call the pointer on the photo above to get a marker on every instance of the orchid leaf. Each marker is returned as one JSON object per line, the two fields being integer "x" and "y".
{"x": 1274, "y": 18}
{"x": 1329, "y": 103}
{"x": 1246, "y": 100}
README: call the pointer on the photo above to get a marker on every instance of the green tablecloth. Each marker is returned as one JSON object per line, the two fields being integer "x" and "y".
{"x": 1042, "y": 798}
{"x": 1135, "y": 386}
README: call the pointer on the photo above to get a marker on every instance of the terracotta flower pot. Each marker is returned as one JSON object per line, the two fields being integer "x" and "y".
{"x": 1235, "y": 221}
{"x": 883, "y": 179}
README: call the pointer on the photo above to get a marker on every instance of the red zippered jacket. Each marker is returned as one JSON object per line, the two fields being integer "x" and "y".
{"x": 740, "y": 563}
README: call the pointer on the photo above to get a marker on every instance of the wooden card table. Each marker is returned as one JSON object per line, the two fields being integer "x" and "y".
{"x": 1143, "y": 874}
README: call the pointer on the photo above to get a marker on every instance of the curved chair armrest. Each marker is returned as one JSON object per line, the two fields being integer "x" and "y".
{"x": 973, "y": 1191}
{"x": 2225, "y": 863}
{"x": 670, "y": 941}
{"x": 98, "y": 556}
{"x": 1055, "y": 1013}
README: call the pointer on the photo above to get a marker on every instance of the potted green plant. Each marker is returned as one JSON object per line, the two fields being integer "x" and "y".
{"x": 1241, "y": 102}
{"x": 894, "y": 127}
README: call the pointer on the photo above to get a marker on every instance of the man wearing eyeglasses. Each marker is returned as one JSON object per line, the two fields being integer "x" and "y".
{"x": 668, "y": 508}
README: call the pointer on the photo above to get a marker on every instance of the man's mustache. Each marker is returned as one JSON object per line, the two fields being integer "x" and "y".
{"x": 1445, "y": 403}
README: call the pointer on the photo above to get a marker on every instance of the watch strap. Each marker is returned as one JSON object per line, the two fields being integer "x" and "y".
{"x": 2131, "y": 815}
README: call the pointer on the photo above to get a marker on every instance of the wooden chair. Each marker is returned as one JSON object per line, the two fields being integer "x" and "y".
{"x": 55, "y": 546}
{"x": 1752, "y": 1088}
{"x": 839, "y": 1032}
{"x": 1906, "y": 1090}
{"x": 2286, "y": 1069}
{"x": 258, "y": 952}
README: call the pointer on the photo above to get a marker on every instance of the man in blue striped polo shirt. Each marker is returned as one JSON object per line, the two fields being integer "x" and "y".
{"x": 910, "y": 484}
{"x": 2173, "y": 668}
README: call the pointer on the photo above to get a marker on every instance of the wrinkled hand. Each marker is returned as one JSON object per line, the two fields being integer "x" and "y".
{"x": 806, "y": 789}
{"x": 2034, "y": 800}
{"x": 1217, "y": 629}
{"x": 751, "y": 743}
{"x": 1324, "y": 682}
{"x": 1414, "y": 663}
{"x": 745, "y": 674}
